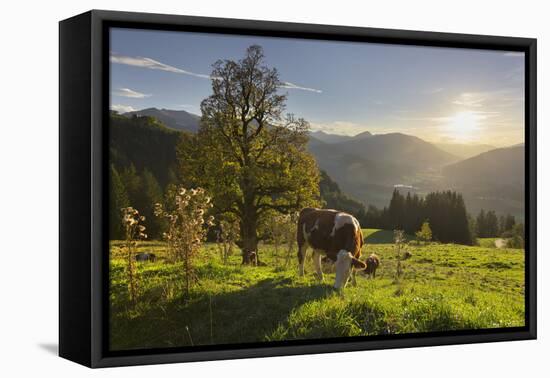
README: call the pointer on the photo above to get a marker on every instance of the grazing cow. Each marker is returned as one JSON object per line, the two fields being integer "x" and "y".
{"x": 333, "y": 233}
{"x": 146, "y": 256}
{"x": 373, "y": 262}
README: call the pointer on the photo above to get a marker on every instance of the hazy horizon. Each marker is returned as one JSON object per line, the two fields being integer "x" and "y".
{"x": 442, "y": 95}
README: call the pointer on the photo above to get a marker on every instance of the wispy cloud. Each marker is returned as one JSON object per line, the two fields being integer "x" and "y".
{"x": 144, "y": 62}
{"x": 432, "y": 91}
{"x": 127, "y": 92}
{"x": 289, "y": 85}
{"x": 377, "y": 102}
{"x": 514, "y": 54}
{"x": 488, "y": 99}
{"x": 420, "y": 119}
{"x": 480, "y": 115}
{"x": 339, "y": 127}
{"x": 471, "y": 99}
{"x": 122, "y": 108}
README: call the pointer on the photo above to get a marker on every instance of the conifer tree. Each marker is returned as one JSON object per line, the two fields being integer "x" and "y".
{"x": 118, "y": 199}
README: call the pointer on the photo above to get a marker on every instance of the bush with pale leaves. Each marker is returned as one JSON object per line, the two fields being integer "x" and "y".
{"x": 187, "y": 228}
{"x": 226, "y": 235}
{"x": 134, "y": 231}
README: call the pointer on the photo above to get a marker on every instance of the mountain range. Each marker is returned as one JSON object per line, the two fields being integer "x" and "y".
{"x": 464, "y": 150}
{"x": 367, "y": 167}
{"x": 336, "y": 138}
{"x": 173, "y": 119}
{"x": 494, "y": 179}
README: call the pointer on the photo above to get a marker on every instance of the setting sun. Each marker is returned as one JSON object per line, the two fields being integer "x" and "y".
{"x": 463, "y": 125}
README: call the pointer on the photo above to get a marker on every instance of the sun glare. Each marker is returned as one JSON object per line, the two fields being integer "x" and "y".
{"x": 463, "y": 125}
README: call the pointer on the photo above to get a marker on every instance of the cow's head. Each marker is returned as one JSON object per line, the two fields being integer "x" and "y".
{"x": 345, "y": 262}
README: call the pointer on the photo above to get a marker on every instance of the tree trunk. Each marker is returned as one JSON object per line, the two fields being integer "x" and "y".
{"x": 249, "y": 220}
{"x": 249, "y": 239}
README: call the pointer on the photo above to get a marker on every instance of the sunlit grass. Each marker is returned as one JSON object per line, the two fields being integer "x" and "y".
{"x": 443, "y": 287}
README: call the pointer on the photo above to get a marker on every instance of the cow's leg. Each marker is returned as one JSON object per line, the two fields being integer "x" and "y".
{"x": 317, "y": 254}
{"x": 302, "y": 249}
{"x": 353, "y": 279}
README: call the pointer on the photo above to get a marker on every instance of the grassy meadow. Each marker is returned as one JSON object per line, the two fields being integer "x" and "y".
{"x": 443, "y": 287}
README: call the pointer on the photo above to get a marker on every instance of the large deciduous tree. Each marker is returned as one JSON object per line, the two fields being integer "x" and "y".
{"x": 248, "y": 154}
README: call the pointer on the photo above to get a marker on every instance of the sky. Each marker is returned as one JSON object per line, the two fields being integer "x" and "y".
{"x": 443, "y": 95}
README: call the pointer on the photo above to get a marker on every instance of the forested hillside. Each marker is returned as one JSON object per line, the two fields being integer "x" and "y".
{"x": 143, "y": 165}
{"x": 332, "y": 196}
{"x": 145, "y": 143}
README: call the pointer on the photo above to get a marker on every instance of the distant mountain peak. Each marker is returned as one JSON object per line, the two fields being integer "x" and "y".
{"x": 175, "y": 119}
{"x": 364, "y": 134}
{"x": 330, "y": 138}
{"x": 325, "y": 137}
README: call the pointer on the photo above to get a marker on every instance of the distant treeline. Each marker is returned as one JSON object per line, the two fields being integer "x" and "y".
{"x": 445, "y": 211}
{"x": 489, "y": 225}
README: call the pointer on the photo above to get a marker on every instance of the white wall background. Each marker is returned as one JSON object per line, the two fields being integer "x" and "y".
{"x": 29, "y": 188}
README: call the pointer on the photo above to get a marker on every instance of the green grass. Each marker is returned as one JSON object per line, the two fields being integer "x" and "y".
{"x": 487, "y": 242}
{"x": 444, "y": 287}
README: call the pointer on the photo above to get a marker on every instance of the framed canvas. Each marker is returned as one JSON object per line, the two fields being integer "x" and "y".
{"x": 235, "y": 188}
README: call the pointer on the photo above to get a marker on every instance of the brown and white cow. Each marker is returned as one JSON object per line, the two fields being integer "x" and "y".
{"x": 334, "y": 233}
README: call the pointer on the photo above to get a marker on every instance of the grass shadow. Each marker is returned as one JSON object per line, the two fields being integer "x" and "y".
{"x": 240, "y": 316}
{"x": 379, "y": 237}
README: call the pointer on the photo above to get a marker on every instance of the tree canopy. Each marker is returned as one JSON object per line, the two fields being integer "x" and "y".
{"x": 248, "y": 154}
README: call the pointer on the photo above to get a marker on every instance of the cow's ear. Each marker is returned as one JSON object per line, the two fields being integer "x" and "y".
{"x": 358, "y": 264}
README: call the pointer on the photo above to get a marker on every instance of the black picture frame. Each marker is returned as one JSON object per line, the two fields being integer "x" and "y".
{"x": 83, "y": 157}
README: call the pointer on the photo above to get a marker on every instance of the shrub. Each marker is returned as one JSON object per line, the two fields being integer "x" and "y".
{"x": 187, "y": 228}
{"x": 516, "y": 236}
{"x": 226, "y": 235}
{"x": 425, "y": 232}
{"x": 133, "y": 231}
